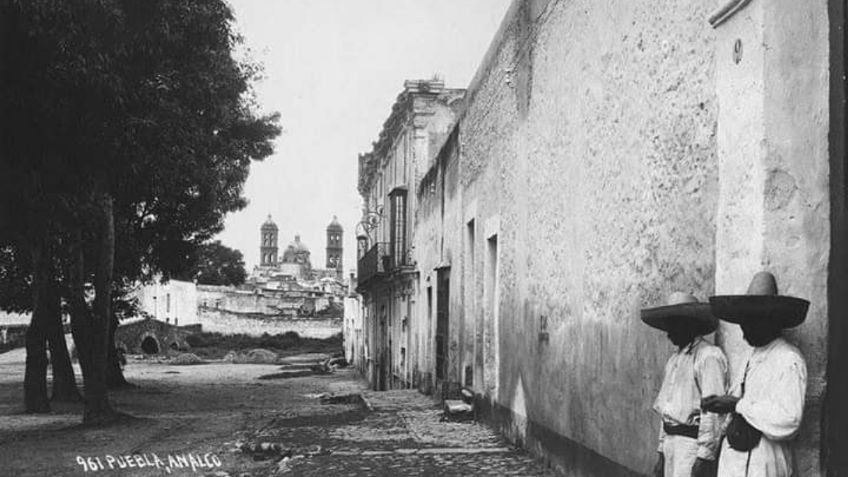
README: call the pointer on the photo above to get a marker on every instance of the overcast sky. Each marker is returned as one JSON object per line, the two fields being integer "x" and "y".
{"x": 333, "y": 69}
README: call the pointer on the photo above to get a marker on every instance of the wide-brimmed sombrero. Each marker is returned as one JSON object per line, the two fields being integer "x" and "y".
{"x": 761, "y": 300}
{"x": 681, "y": 306}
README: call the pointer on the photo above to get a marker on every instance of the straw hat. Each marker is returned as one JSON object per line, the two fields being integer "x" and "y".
{"x": 761, "y": 300}
{"x": 681, "y": 306}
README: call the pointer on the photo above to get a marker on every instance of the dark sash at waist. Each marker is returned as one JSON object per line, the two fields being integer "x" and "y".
{"x": 681, "y": 430}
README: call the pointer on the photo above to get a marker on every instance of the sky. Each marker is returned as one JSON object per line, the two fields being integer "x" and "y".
{"x": 333, "y": 69}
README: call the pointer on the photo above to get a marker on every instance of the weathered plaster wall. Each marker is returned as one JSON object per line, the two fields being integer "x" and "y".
{"x": 174, "y": 301}
{"x": 588, "y": 148}
{"x": 10, "y": 318}
{"x": 451, "y": 253}
{"x": 427, "y": 242}
{"x": 352, "y": 333}
{"x": 437, "y": 241}
{"x": 774, "y": 204}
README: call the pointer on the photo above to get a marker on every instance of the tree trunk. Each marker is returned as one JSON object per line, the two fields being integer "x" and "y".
{"x": 80, "y": 313}
{"x": 114, "y": 374}
{"x": 90, "y": 328}
{"x": 64, "y": 381}
{"x": 98, "y": 409}
{"x": 35, "y": 375}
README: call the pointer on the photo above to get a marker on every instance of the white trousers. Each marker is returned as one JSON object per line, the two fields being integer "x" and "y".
{"x": 680, "y": 453}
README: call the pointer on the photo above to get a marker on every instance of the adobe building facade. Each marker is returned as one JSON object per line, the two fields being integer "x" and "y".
{"x": 607, "y": 154}
{"x": 173, "y": 302}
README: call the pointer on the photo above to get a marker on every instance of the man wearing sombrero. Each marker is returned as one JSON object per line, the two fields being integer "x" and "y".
{"x": 767, "y": 403}
{"x": 688, "y": 437}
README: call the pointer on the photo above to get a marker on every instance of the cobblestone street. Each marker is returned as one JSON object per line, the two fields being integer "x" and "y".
{"x": 404, "y": 434}
{"x": 391, "y": 433}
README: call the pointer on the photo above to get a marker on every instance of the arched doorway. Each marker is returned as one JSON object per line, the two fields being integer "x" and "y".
{"x": 149, "y": 345}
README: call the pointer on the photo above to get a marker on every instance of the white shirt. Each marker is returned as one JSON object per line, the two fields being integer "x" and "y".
{"x": 695, "y": 372}
{"x": 773, "y": 402}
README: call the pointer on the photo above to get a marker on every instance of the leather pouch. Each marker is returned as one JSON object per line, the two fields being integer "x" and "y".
{"x": 741, "y": 435}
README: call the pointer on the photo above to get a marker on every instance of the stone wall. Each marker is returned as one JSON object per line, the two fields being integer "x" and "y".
{"x": 261, "y": 301}
{"x": 588, "y": 166}
{"x": 228, "y": 322}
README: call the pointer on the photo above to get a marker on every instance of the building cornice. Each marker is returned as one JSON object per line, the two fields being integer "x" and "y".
{"x": 405, "y": 112}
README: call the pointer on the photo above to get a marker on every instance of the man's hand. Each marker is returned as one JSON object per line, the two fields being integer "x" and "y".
{"x": 659, "y": 469}
{"x": 719, "y": 404}
{"x": 704, "y": 468}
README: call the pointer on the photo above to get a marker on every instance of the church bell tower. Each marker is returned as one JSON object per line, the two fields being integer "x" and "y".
{"x": 334, "y": 245}
{"x": 268, "y": 245}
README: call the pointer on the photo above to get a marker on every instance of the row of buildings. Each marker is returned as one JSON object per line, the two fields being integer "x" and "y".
{"x": 606, "y": 154}
{"x": 282, "y": 294}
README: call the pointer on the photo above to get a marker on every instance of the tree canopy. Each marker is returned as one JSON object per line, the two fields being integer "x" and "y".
{"x": 218, "y": 264}
{"x": 127, "y": 134}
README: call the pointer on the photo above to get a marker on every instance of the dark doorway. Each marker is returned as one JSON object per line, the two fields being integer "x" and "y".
{"x": 442, "y": 327}
{"x": 834, "y": 423}
{"x": 149, "y": 345}
{"x": 383, "y": 349}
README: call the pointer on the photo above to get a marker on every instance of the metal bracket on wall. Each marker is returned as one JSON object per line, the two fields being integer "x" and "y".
{"x": 727, "y": 10}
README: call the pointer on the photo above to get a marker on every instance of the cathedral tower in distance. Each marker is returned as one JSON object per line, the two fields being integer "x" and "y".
{"x": 268, "y": 246}
{"x": 334, "y": 245}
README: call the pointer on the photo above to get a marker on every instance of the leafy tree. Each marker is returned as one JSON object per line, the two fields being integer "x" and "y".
{"x": 218, "y": 264}
{"x": 127, "y": 135}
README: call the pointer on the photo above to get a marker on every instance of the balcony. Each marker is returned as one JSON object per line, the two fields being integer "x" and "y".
{"x": 382, "y": 260}
{"x": 376, "y": 262}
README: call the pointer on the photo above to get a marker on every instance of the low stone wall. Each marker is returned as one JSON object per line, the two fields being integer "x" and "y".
{"x": 254, "y": 324}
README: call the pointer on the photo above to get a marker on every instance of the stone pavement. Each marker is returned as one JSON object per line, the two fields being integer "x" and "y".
{"x": 391, "y": 433}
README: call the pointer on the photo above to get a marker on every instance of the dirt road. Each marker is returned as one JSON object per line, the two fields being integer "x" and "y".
{"x": 221, "y": 420}
{"x": 190, "y": 418}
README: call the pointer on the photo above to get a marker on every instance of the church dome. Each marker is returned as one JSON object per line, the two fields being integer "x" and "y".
{"x": 269, "y": 224}
{"x": 298, "y": 246}
{"x": 296, "y": 252}
{"x": 335, "y": 225}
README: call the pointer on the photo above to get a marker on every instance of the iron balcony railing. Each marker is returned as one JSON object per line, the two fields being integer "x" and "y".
{"x": 375, "y": 263}
{"x": 382, "y": 259}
